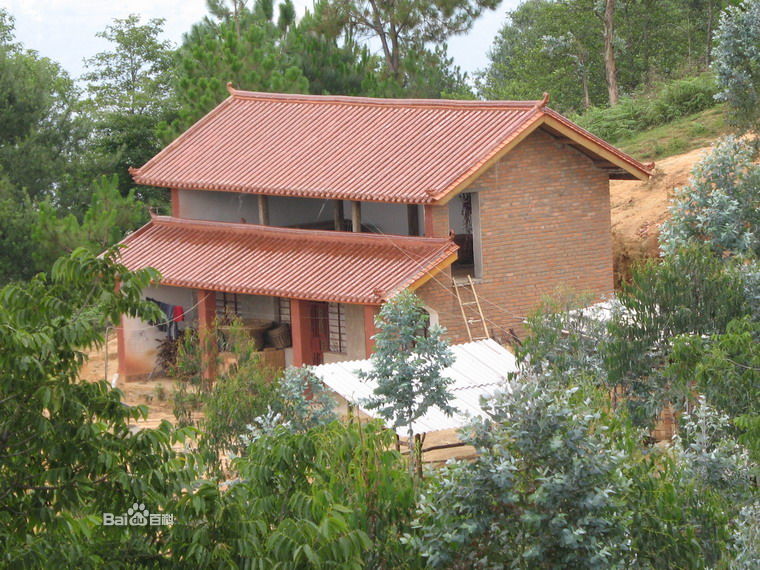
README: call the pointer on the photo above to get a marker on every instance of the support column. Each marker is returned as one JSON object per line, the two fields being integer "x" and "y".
{"x": 175, "y": 203}
{"x": 300, "y": 331}
{"x": 428, "y": 215}
{"x": 263, "y": 210}
{"x": 370, "y": 312}
{"x": 206, "y": 334}
{"x": 338, "y": 215}
{"x": 412, "y": 219}
{"x": 121, "y": 350}
{"x": 356, "y": 216}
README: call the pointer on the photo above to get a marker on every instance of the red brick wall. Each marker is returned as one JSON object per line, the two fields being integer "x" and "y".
{"x": 545, "y": 224}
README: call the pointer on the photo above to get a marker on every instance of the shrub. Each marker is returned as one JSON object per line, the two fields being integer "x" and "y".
{"x": 544, "y": 491}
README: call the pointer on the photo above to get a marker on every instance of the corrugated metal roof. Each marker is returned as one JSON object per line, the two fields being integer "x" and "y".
{"x": 316, "y": 265}
{"x": 480, "y": 370}
{"x": 354, "y": 148}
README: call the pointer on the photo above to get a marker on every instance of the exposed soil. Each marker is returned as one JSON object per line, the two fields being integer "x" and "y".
{"x": 638, "y": 209}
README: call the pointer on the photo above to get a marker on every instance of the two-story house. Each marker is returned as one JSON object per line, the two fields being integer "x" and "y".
{"x": 314, "y": 210}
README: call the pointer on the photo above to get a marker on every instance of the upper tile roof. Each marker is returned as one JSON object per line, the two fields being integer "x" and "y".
{"x": 313, "y": 265}
{"x": 354, "y": 148}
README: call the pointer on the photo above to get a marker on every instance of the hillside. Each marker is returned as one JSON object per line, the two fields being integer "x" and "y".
{"x": 638, "y": 209}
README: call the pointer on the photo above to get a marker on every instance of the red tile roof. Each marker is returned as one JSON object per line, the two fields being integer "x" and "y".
{"x": 302, "y": 264}
{"x": 353, "y": 148}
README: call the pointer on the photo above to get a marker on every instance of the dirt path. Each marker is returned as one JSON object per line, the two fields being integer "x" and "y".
{"x": 638, "y": 209}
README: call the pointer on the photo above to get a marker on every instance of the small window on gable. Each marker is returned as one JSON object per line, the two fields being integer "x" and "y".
{"x": 336, "y": 325}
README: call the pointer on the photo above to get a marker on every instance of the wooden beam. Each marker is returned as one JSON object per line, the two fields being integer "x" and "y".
{"x": 413, "y": 219}
{"x": 263, "y": 210}
{"x": 338, "y": 215}
{"x": 356, "y": 216}
{"x": 206, "y": 334}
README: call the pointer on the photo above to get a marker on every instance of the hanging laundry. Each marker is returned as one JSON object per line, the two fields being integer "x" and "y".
{"x": 173, "y": 313}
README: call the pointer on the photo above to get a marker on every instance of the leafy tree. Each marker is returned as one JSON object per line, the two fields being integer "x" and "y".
{"x": 252, "y": 58}
{"x": 408, "y": 26}
{"x": 41, "y": 128}
{"x": 407, "y": 365}
{"x": 545, "y": 490}
{"x": 130, "y": 95}
{"x": 721, "y": 205}
{"x": 725, "y": 369}
{"x": 16, "y": 218}
{"x": 334, "y": 496}
{"x": 108, "y": 217}
{"x": 737, "y": 63}
{"x": 67, "y": 454}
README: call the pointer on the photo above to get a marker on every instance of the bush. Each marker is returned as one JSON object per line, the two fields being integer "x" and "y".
{"x": 544, "y": 491}
{"x": 670, "y": 101}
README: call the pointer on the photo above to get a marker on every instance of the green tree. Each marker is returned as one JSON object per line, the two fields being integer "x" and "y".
{"x": 335, "y": 496}
{"x": 108, "y": 217}
{"x": 737, "y": 63}
{"x": 250, "y": 54}
{"x": 721, "y": 205}
{"x": 130, "y": 94}
{"x": 545, "y": 490}
{"x": 67, "y": 454}
{"x": 41, "y": 126}
{"x": 407, "y": 365}
{"x": 409, "y": 25}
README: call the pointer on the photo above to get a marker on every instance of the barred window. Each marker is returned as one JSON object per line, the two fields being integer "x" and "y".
{"x": 283, "y": 310}
{"x": 227, "y": 305}
{"x": 336, "y": 324}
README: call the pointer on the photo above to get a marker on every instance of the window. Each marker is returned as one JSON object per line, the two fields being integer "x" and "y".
{"x": 227, "y": 305}
{"x": 283, "y": 310}
{"x": 336, "y": 325}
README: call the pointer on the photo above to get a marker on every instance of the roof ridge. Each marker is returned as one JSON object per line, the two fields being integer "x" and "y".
{"x": 353, "y": 237}
{"x": 364, "y": 101}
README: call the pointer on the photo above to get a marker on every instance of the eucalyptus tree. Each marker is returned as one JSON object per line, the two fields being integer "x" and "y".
{"x": 407, "y": 365}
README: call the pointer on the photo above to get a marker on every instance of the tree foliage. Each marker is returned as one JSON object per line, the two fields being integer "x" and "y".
{"x": 721, "y": 205}
{"x": 407, "y": 364}
{"x": 737, "y": 63}
{"x": 545, "y": 490}
{"x": 129, "y": 88}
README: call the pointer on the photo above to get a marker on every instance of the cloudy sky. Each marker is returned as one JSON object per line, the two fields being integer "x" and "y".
{"x": 64, "y": 30}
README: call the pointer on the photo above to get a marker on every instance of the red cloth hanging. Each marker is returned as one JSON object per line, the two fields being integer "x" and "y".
{"x": 178, "y": 314}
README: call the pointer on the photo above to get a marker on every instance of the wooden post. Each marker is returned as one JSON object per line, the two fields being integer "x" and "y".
{"x": 412, "y": 219}
{"x": 300, "y": 330}
{"x": 121, "y": 350}
{"x": 356, "y": 216}
{"x": 263, "y": 210}
{"x": 338, "y": 215}
{"x": 175, "y": 203}
{"x": 370, "y": 312}
{"x": 206, "y": 334}
{"x": 428, "y": 215}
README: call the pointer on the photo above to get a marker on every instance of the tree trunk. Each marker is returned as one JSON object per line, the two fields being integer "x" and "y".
{"x": 708, "y": 52}
{"x": 610, "y": 66}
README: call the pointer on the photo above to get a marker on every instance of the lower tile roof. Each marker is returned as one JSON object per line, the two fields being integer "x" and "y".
{"x": 313, "y": 265}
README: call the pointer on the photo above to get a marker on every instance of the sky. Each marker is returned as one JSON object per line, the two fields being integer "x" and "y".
{"x": 64, "y": 30}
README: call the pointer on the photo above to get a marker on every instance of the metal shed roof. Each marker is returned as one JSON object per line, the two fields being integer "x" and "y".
{"x": 480, "y": 370}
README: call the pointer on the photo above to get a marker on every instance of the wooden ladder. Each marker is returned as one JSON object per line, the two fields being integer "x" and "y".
{"x": 475, "y": 302}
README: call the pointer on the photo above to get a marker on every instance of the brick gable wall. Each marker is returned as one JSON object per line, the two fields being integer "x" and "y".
{"x": 545, "y": 225}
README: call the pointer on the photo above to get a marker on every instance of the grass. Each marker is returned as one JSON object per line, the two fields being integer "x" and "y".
{"x": 677, "y": 137}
